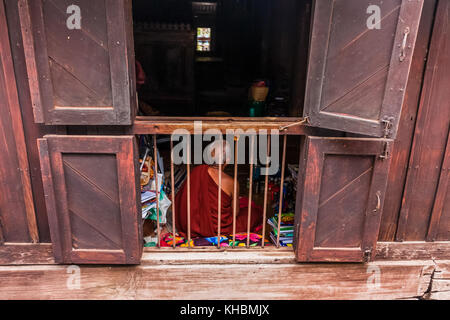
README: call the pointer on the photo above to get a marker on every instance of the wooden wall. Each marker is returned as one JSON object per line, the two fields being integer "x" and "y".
{"x": 418, "y": 198}
{"x": 403, "y": 143}
{"x": 32, "y": 131}
{"x": 425, "y": 212}
{"x": 17, "y": 214}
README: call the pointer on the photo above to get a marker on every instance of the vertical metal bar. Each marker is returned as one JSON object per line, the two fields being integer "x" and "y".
{"x": 147, "y": 150}
{"x": 188, "y": 165}
{"x": 155, "y": 153}
{"x": 280, "y": 205}
{"x": 250, "y": 189}
{"x": 266, "y": 188}
{"x": 235, "y": 186}
{"x": 172, "y": 182}
{"x": 219, "y": 204}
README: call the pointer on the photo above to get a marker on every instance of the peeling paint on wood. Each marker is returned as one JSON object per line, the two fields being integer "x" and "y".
{"x": 264, "y": 281}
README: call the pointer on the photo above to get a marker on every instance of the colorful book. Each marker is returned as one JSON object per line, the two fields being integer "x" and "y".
{"x": 273, "y": 222}
{"x": 287, "y": 219}
{"x": 283, "y": 242}
{"x": 283, "y": 238}
{"x": 284, "y": 233}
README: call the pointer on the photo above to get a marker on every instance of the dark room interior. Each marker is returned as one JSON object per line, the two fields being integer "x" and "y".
{"x": 236, "y": 58}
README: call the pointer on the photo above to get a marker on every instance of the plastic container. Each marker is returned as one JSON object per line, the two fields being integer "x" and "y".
{"x": 256, "y": 108}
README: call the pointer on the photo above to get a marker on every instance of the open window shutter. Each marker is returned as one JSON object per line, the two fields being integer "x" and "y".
{"x": 80, "y": 76}
{"x": 340, "y": 198}
{"x": 357, "y": 75}
{"x": 91, "y": 185}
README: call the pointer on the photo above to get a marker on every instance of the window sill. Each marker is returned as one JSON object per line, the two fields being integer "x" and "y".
{"x": 181, "y": 256}
{"x": 167, "y": 125}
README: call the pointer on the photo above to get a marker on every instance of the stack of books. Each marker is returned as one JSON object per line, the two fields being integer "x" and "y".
{"x": 148, "y": 200}
{"x": 286, "y": 229}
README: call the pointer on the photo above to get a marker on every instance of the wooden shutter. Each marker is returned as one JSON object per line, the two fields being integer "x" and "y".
{"x": 357, "y": 76}
{"x": 340, "y": 198}
{"x": 91, "y": 185}
{"x": 82, "y": 76}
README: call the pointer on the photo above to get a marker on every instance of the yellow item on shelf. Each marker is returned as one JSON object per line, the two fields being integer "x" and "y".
{"x": 259, "y": 93}
{"x": 147, "y": 171}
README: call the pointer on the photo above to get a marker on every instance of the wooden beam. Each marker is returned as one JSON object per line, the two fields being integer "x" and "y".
{"x": 167, "y": 125}
{"x": 385, "y": 251}
{"x": 440, "y": 283}
{"x": 234, "y": 256}
{"x": 379, "y": 280}
{"x": 413, "y": 250}
{"x": 25, "y": 254}
{"x": 16, "y": 254}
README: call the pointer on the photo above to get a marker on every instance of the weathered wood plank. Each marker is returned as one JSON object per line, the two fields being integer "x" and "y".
{"x": 402, "y": 145}
{"x": 442, "y": 270}
{"x": 439, "y": 227}
{"x": 413, "y": 250}
{"x": 442, "y": 295}
{"x": 440, "y": 283}
{"x": 17, "y": 126}
{"x": 163, "y": 125}
{"x": 386, "y": 251}
{"x": 17, "y": 215}
{"x": 225, "y": 257}
{"x": 432, "y": 127}
{"x": 379, "y": 280}
{"x": 32, "y": 130}
{"x": 20, "y": 254}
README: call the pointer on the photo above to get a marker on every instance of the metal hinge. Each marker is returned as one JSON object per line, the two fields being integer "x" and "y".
{"x": 388, "y": 124}
{"x": 385, "y": 154}
{"x": 367, "y": 254}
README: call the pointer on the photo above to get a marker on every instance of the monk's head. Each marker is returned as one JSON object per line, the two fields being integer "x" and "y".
{"x": 217, "y": 152}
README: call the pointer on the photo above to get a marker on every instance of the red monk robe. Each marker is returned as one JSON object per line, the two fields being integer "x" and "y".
{"x": 204, "y": 208}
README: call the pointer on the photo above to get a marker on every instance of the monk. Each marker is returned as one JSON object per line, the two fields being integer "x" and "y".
{"x": 204, "y": 202}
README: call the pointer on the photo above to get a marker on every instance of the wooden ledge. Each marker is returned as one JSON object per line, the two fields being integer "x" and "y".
{"x": 375, "y": 280}
{"x": 25, "y": 253}
{"x": 413, "y": 250}
{"x": 29, "y": 254}
{"x": 219, "y": 257}
{"x": 167, "y": 125}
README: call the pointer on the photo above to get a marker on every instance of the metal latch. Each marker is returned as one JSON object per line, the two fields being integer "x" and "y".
{"x": 388, "y": 124}
{"x": 367, "y": 254}
{"x": 385, "y": 154}
{"x": 403, "y": 45}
